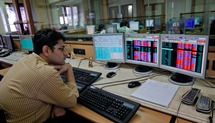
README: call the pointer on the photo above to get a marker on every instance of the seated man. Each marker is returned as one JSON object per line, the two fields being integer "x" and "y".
{"x": 124, "y": 28}
{"x": 33, "y": 90}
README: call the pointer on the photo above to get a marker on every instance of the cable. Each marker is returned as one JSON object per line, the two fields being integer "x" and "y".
{"x": 80, "y": 62}
{"x": 129, "y": 81}
{"x": 119, "y": 84}
{"x": 120, "y": 80}
{"x": 208, "y": 84}
{"x": 178, "y": 112}
{"x": 211, "y": 117}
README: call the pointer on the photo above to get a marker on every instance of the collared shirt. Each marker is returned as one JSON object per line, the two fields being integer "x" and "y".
{"x": 31, "y": 87}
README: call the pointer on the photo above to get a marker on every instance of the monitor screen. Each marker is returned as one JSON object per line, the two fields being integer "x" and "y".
{"x": 1, "y": 42}
{"x": 197, "y": 20}
{"x": 184, "y": 54}
{"x": 149, "y": 23}
{"x": 117, "y": 25}
{"x": 134, "y": 25}
{"x": 109, "y": 47}
{"x": 90, "y": 29}
{"x": 26, "y": 42}
{"x": 142, "y": 49}
{"x": 190, "y": 23}
{"x": 8, "y": 42}
{"x": 111, "y": 28}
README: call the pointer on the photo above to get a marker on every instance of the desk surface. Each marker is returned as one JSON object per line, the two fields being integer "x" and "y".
{"x": 118, "y": 85}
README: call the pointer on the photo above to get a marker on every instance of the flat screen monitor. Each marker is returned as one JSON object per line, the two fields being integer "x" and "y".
{"x": 117, "y": 25}
{"x": 143, "y": 50}
{"x": 134, "y": 25}
{"x": 111, "y": 28}
{"x": 90, "y": 29}
{"x": 197, "y": 20}
{"x": 8, "y": 42}
{"x": 109, "y": 47}
{"x": 149, "y": 23}
{"x": 190, "y": 23}
{"x": 26, "y": 42}
{"x": 185, "y": 56}
{"x": 1, "y": 42}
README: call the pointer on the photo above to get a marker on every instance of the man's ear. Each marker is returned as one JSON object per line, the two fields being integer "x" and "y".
{"x": 46, "y": 50}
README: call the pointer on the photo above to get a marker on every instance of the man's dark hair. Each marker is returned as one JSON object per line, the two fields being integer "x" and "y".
{"x": 124, "y": 23}
{"x": 47, "y": 37}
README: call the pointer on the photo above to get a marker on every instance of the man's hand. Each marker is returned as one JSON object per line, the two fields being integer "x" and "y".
{"x": 57, "y": 111}
{"x": 63, "y": 68}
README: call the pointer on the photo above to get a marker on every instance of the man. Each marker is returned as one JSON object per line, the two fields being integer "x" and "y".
{"x": 124, "y": 27}
{"x": 33, "y": 90}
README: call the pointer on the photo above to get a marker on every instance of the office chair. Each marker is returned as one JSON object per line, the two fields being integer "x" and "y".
{"x": 2, "y": 117}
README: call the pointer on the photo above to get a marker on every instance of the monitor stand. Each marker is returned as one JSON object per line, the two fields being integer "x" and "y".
{"x": 181, "y": 79}
{"x": 142, "y": 70}
{"x": 112, "y": 65}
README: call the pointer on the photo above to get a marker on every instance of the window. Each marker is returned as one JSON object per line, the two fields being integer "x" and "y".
{"x": 12, "y": 17}
{"x": 69, "y": 16}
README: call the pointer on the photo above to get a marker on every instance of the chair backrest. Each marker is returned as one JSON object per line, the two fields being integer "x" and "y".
{"x": 2, "y": 117}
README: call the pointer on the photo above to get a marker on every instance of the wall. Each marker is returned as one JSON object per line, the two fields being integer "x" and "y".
{"x": 41, "y": 13}
{"x": 119, "y": 3}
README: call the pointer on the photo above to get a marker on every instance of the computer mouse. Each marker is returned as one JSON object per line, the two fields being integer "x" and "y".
{"x": 134, "y": 84}
{"x": 110, "y": 74}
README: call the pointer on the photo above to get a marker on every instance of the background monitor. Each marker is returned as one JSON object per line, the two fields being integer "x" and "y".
{"x": 111, "y": 28}
{"x": 8, "y": 42}
{"x": 1, "y": 42}
{"x": 26, "y": 42}
{"x": 134, "y": 25}
{"x": 90, "y": 29}
{"x": 117, "y": 25}
{"x": 185, "y": 55}
{"x": 109, "y": 47}
{"x": 190, "y": 23}
{"x": 197, "y": 20}
{"x": 143, "y": 50}
{"x": 149, "y": 23}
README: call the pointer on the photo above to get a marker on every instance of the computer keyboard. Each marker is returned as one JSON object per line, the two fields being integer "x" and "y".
{"x": 86, "y": 77}
{"x": 4, "y": 52}
{"x": 14, "y": 56}
{"x": 83, "y": 77}
{"x": 113, "y": 107}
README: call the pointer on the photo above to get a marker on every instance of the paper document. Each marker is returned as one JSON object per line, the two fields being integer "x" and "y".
{"x": 157, "y": 92}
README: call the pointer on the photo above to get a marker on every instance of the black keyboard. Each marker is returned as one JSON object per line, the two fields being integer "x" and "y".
{"x": 5, "y": 53}
{"x": 83, "y": 77}
{"x": 113, "y": 107}
{"x": 86, "y": 77}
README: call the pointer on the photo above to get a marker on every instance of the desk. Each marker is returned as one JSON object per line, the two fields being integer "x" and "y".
{"x": 175, "y": 108}
{"x": 148, "y": 112}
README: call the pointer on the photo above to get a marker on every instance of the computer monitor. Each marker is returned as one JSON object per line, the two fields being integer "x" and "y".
{"x": 134, "y": 25}
{"x": 111, "y": 28}
{"x": 26, "y": 42}
{"x": 1, "y": 42}
{"x": 90, "y": 29}
{"x": 117, "y": 25}
{"x": 143, "y": 50}
{"x": 8, "y": 42}
{"x": 189, "y": 23}
{"x": 185, "y": 55}
{"x": 109, "y": 48}
{"x": 197, "y": 20}
{"x": 149, "y": 23}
